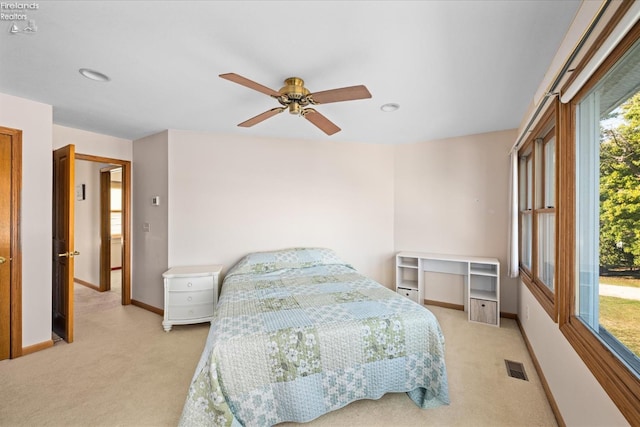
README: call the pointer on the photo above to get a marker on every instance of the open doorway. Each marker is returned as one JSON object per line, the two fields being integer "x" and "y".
{"x": 74, "y": 193}
{"x": 111, "y": 229}
{"x": 102, "y": 218}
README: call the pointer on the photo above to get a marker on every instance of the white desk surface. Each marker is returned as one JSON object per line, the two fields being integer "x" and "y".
{"x": 445, "y": 257}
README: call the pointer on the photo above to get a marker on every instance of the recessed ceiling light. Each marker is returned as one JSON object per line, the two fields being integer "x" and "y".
{"x": 94, "y": 75}
{"x": 387, "y": 108}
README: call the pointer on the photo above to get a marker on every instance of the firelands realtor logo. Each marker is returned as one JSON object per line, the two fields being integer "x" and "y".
{"x": 20, "y": 16}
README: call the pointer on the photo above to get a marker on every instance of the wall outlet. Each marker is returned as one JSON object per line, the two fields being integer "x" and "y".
{"x": 146, "y": 227}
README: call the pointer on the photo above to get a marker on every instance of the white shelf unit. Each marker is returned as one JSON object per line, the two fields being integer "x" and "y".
{"x": 407, "y": 278}
{"x": 481, "y": 281}
{"x": 484, "y": 292}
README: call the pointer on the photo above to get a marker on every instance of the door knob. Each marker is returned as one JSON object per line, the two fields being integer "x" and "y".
{"x": 68, "y": 254}
{"x": 2, "y": 260}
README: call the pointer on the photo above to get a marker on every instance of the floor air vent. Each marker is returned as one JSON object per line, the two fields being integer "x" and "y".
{"x": 516, "y": 370}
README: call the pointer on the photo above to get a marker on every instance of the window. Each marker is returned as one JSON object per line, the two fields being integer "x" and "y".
{"x": 600, "y": 223}
{"x": 526, "y": 207}
{"x": 545, "y": 214}
{"x": 116, "y": 208}
{"x": 608, "y": 205}
{"x": 537, "y": 176}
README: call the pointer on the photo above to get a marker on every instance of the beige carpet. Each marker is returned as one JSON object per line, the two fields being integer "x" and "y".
{"x": 88, "y": 300}
{"x": 481, "y": 392}
{"x": 123, "y": 370}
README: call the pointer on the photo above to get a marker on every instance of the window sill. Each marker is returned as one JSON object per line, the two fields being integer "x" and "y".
{"x": 616, "y": 379}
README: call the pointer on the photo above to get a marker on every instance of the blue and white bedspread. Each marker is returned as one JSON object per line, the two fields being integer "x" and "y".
{"x": 298, "y": 333}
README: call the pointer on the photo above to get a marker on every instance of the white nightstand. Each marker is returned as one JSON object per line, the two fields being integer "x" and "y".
{"x": 190, "y": 294}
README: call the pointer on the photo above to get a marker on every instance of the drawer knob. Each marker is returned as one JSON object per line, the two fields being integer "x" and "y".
{"x": 483, "y": 305}
{"x": 189, "y": 299}
{"x": 189, "y": 284}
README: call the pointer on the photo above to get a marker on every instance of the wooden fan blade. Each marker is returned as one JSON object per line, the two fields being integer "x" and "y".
{"x": 249, "y": 83}
{"x": 324, "y": 124}
{"x": 261, "y": 117}
{"x": 343, "y": 94}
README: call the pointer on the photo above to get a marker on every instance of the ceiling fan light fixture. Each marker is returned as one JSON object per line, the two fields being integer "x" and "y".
{"x": 294, "y": 108}
{"x": 94, "y": 75}
{"x": 390, "y": 107}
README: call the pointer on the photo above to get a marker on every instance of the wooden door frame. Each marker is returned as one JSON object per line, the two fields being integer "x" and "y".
{"x": 105, "y": 228}
{"x": 126, "y": 219}
{"x": 15, "y": 245}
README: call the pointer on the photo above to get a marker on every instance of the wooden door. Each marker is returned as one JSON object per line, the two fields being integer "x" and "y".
{"x": 63, "y": 247}
{"x": 10, "y": 254}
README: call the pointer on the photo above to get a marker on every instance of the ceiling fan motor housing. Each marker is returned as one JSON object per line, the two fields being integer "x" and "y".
{"x": 294, "y": 95}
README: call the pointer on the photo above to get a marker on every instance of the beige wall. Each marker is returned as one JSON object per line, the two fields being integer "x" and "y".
{"x": 230, "y": 195}
{"x": 149, "y": 249}
{"x": 92, "y": 143}
{"x": 451, "y": 197}
{"x": 87, "y": 223}
{"x": 116, "y": 252}
{"x": 35, "y": 121}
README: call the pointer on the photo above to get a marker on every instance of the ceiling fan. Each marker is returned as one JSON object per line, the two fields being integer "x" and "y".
{"x": 297, "y": 98}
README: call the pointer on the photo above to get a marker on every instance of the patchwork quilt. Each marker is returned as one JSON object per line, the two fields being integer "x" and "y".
{"x": 298, "y": 333}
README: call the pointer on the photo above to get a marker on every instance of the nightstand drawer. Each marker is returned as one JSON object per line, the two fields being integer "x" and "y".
{"x": 195, "y": 311}
{"x": 188, "y": 298}
{"x": 181, "y": 284}
{"x": 483, "y": 311}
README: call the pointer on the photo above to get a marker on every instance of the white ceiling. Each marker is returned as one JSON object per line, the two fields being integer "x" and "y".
{"x": 455, "y": 67}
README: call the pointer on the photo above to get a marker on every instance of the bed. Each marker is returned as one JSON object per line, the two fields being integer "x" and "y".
{"x": 298, "y": 333}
